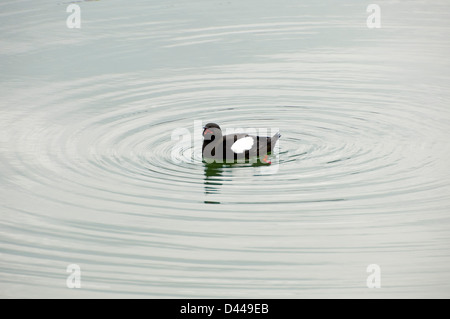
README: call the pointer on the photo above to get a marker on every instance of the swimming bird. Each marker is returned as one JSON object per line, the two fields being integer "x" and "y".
{"x": 235, "y": 147}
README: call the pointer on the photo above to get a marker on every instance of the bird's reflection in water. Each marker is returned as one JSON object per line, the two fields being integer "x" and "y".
{"x": 214, "y": 176}
{"x": 213, "y": 179}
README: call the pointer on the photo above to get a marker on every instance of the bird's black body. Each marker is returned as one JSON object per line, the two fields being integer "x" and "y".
{"x": 234, "y": 147}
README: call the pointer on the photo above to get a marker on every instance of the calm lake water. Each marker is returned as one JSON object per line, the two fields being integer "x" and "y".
{"x": 92, "y": 174}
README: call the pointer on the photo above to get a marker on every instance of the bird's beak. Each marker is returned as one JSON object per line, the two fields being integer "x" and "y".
{"x": 206, "y": 130}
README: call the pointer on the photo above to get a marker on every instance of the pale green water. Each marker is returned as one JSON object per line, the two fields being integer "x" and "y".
{"x": 89, "y": 175}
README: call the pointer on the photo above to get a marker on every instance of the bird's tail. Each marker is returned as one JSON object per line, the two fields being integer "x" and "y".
{"x": 273, "y": 141}
{"x": 275, "y": 138}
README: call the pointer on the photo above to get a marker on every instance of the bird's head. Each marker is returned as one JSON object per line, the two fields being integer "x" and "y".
{"x": 211, "y": 131}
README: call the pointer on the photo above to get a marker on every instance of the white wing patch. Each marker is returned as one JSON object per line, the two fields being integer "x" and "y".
{"x": 242, "y": 145}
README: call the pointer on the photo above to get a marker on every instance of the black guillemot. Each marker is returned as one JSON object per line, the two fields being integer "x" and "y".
{"x": 235, "y": 147}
